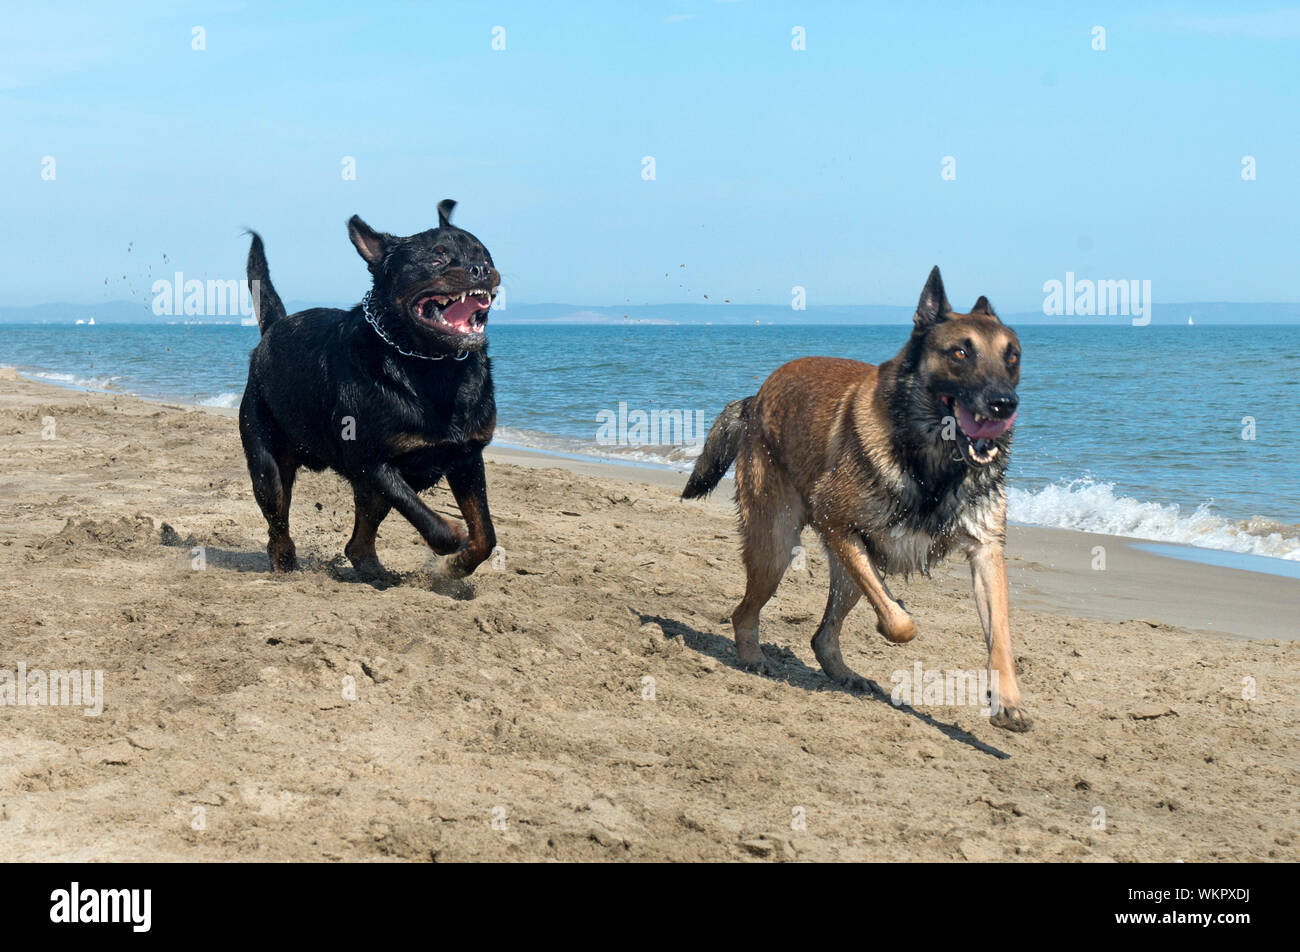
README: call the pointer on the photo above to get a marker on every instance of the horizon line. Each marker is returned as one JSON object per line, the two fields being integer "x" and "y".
{"x": 709, "y": 303}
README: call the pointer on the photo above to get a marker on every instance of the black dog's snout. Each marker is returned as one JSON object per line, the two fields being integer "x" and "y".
{"x": 477, "y": 272}
{"x": 1002, "y": 405}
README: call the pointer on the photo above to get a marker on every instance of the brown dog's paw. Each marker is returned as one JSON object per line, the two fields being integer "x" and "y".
{"x": 859, "y": 685}
{"x": 898, "y": 630}
{"x": 846, "y": 677}
{"x": 1012, "y": 719}
{"x": 828, "y": 656}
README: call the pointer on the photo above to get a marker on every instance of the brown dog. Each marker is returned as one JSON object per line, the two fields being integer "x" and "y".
{"x": 894, "y": 466}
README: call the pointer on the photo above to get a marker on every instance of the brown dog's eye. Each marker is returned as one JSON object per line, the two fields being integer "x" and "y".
{"x": 959, "y": 353}
{"x": 1012, "y": 359}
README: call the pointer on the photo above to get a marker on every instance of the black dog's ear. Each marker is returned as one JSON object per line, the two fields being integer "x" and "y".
{"x": 982, "y": 306}
{"x": 933, "y": 306}
{"x": 370, "y": 244}
{"x": 444, "y": 212}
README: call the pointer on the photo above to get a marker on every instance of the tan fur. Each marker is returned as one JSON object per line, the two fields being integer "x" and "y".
{"x": 819, "y": 449}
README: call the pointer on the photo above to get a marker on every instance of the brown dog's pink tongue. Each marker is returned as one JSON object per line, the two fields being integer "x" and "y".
{"x": 985, "y": 429}
{"x": 460, "y": 312}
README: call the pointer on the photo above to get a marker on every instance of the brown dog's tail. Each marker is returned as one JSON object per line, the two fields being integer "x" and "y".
{"x": 266, "y": 303}
{"x": 720, "y": 449}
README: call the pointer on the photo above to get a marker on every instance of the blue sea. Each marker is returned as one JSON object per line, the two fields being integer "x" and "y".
{"x": 1168, "y": 433}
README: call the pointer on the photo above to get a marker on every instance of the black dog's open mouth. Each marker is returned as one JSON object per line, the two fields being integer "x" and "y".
{"x": 463, "y": 313}
{"x": 978, "y": 432}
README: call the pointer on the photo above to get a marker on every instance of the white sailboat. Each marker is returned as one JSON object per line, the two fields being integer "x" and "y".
{"x": 1190, "y": 322}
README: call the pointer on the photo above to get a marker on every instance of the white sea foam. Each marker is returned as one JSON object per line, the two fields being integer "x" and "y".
{"x": 1083, "y": 504}
{"x": 1092, "y": 506}
{"x": 678, "y": 457}
{"x": 72, "y": 380}
{"x": 228, "y": 400}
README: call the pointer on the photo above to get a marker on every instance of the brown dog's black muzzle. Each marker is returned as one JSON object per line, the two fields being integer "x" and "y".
{"x": 1001, "y": 404}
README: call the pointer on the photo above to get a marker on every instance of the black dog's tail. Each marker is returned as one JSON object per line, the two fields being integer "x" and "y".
{"x": 266, "y": 303}
{"x": 720, "y": 449}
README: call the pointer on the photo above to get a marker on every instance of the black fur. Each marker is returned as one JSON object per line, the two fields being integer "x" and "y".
{"x": 942, "y": 483}
{"x": 266, "y": 303}
{"x": 720, "y": 449}
{"x": 942, "y": 487}
{"x": 326, "y": 391}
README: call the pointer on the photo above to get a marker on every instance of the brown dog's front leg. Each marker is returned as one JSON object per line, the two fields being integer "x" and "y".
{"x": 892, "y": 619}
{"x": 992, "y": 601}
{"x": 468, "y": 483}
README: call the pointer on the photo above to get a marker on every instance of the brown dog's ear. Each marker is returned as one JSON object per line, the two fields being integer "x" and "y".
{"x": 370, "y": 244}
{"x": 933, "y": 306}
{"x": 444, "y": 212}
{"x": 982, "y": 306}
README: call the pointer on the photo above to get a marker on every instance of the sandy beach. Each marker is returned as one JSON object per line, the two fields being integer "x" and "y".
{"x": 579, "y": 698}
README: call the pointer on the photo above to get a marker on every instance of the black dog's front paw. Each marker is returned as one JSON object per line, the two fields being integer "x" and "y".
{"x": 455, "y": 541}
{"x": 283, "y": 555}
{"x": 370, "y": 570}
{"x": 448, "y": 566}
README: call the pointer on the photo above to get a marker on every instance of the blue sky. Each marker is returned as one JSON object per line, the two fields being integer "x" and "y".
{"x": 774, "y": 167}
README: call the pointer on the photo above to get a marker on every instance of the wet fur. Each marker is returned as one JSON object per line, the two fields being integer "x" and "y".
{"x": 858, "y": 452}
{"x": 413, "y": 421}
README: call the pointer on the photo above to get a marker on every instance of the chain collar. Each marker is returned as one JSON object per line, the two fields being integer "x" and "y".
{"x": 373, "y": 322}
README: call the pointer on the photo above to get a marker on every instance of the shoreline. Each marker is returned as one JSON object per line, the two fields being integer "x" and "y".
{"x": 1213, "y": 538}
{"x": 1145, "y": 579}
{"x": 1045, "y": 565}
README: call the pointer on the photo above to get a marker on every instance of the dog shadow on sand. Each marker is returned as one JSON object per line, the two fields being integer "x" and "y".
{"x": 786, "y": 667}
{"x": 339, "y": 569}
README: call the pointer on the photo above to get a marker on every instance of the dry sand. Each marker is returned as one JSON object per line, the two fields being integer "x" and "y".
{"x": 520, "y": 696}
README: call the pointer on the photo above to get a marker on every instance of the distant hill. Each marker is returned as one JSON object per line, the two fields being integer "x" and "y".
{"x": 110, "y": 312}
{"x": 1202, "y": 313}
{"x": 133, "y": 312}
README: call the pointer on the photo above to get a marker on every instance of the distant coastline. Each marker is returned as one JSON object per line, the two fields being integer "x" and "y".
{"x": 689, "y": 313}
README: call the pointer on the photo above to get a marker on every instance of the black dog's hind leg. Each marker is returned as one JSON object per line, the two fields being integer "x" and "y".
{"x": 441, "y": 535}
{"x": 272, "y": 466}
{"x": 371, "y": 510}
{"x": 468, "y": 483}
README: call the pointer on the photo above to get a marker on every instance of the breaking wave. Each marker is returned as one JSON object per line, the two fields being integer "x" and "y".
{"x": 1093, "y": 506}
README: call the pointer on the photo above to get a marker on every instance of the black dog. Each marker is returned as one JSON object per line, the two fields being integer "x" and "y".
{"x": 393, "y": 394}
